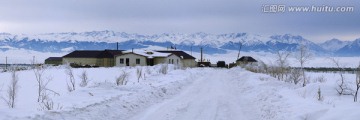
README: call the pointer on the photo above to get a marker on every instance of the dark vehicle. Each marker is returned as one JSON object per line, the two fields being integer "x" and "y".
{"x": 221, "y": 64}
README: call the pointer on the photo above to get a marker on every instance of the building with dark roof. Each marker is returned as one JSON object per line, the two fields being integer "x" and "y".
{"x": 109, "y": 58}
{"x": 186, "y": 59}
{"x": 246, "y": 60}
{"x": 102, "y": 58}
{"x": 54, "y": 60}
{"x": 179, "y": 53}
{"x": 149, "y": 57}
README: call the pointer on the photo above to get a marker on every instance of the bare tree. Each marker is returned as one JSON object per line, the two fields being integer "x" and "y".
{"x": 41, "y": 83}
{"x": 343, "y": 88}
{"x": 295, "y": 76}
{"x": 139, "y": 73}
{"x": 48, "y": 104}
{"x": 1, "y": 90}
{"x": 122, "y": 79}
{"x": 43, "y": 90}
{"x": 357, "y": 82}
{"x": 282, "y": 62}
{"x": 71, "y": 82}
{"x": 320, "y": 79}
{"x": 84, "y": 79}
{"x": 164, "y": 69}
{"x": 303, "y": 57}
{"x": 148, "y": 70}
{"x": 12, "y": 90}
{"x": 262, "y": 67}
{"x": 270, "y": 69}
{"x": 320, "y": 97}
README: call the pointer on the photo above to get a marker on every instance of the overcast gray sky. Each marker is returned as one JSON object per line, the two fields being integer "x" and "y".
{"x": 179, "y": 16}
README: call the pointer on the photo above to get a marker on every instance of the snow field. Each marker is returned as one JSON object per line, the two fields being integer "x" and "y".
{"x": 197, "y": 94}
{"x": 237, "y": 94}
{"x": 101, "y": 89}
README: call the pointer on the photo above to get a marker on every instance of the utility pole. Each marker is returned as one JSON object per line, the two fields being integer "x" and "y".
{"x": 33, "y": 62}
{"x": 239, "y": 50}
{"x": 117, "y": 45}
{"x": 191, "y": 50}
{"x": 6, "y": 63}
{"x": 201, "y": 52}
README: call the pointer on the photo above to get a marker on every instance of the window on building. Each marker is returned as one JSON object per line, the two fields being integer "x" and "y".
{"x": 169, "y": 61}
{"x": 121, "y": 60}
{"x": 172, "y": 61}
{"x": 137, "y": 61}
{"x": 177, "y": 61}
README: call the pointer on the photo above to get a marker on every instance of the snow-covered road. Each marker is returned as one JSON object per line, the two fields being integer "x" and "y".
{"x": 211, "y": 94}
{"x": 215, "y": 96}
{"x": 184, "y": 94}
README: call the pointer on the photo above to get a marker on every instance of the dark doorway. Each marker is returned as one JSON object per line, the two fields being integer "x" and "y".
{"x": 150, "y": 62}
{"x": 127, "y": 61}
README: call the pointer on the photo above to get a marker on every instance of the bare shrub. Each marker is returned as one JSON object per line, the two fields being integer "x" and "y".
{"x": 48, "y": 104}
{"x": 320, "y": 97}
{"x": 84, "y": 79}
{"x": 41, "y": 83}
{"x": 71, "y": 83}
{"x": 357, "y": 81}
{"x": 139, "y": 73}
{"x": 164, "y": 69}
{"x": 263, "y": 68}
{"x": 179, "y": 66}
{"x": 295, "y": 76}
{"x": 43, "y": 90}
{"x": 263, "y": 78}
{"x": 270, "y": 70}
{"x": 254, "y": 68}
{"x": 320, "y": 79}
{"x": 12, "y": 90}
{"x": 148, "y": 70}
{"x": 122, "y": 79}
{"x": 282, "y": 63}
{"x": 342, "y": 88}
{"x": 144, "y": 76}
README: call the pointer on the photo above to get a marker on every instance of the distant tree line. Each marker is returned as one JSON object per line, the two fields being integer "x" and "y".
{"x": 329, "y": 69}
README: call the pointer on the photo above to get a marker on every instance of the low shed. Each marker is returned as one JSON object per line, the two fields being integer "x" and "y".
{"x": 246, "y": 60}
{"x": 54, "y": 60}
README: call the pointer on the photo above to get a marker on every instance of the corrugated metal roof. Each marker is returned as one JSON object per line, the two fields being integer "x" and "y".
{"x": 93, "y": 54}
{"x": 247, "y": 59}
{"x": 181, "y": 54}
{"x": 54, "y": 59}
{"x": 148, "y": 53}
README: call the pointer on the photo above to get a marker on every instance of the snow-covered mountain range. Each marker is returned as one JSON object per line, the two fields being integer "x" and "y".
{"x": 212, "y": 43}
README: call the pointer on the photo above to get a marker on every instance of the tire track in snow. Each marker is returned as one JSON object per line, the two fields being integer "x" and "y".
{"x": 214, "y": 96}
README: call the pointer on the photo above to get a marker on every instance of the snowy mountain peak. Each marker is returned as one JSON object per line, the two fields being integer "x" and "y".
{"x": 357, "y": 42}
{"x": 289, "y": 39}
{"x": 3, "y": 33}
{"x": 214, "y": 43}
{"x": 334, "y": 44}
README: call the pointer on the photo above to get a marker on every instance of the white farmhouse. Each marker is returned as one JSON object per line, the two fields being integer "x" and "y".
{"x": 147, "y": 58}
{"x": 186, "y": 60}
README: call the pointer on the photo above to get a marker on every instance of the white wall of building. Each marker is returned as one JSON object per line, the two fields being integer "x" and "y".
{"x": 132, "y": 60}
{"x": 173, "y": 59}
{"x": 189, "y": 63}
